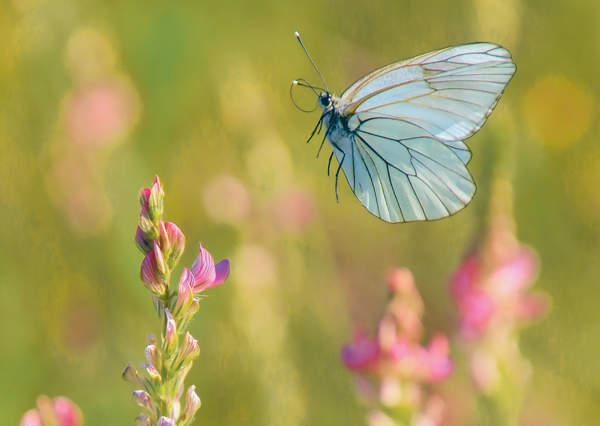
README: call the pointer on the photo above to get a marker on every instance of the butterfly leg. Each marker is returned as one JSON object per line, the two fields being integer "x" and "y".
{"x": 329, "y": 164}
{"x": 317, "y": 129}
{"x": 337, "y": 173}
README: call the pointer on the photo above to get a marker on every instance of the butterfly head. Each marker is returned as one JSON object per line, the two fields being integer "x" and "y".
{"x": 325, "y": 100}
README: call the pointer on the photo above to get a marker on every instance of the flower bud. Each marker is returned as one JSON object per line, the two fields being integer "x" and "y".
{"x": 150, "y": 339}
{"x": 153, "y": 372}
{"x": 152, "y": 354}
{"x": 144, "y": 196}
{"x": 170, "y": 333}
{"x": 131, "y": 375}
{"x": 147, "y": 226}
{"x": 142, "y": 241}
{"x": 32, "y": 418}
{"x": 161, "y": 266}
{"x": 184, "y": 292}
{"x": 143, "y": 399}
{"x": 165, "y": 421}
{"x": 177, "y": 243}
{"x": 189, "y": 350}
{"x": 66, "y": 412}
{"x": 164, "y": 242}
{"x": 192, "y": 404}
{"x": 150, "y": 276}
{"x": 142, "y": 420}
{"x": 155, "y": 202}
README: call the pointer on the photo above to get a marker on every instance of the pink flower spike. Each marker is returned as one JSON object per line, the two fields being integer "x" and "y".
{"x": 361, "y": 353}
{"x": 67, "y": 413}
{"x": 32, "y": 418}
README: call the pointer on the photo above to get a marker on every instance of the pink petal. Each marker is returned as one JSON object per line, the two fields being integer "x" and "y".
{"x": 476, "y": 309}
{"x": 32, "y": 418}
{"x": 400, "y": 350}
{"x": 203, "y": 268}
{"x": 531, "y": 307}
{"x": 221, "y": 272}
{"x": 361, "y": 353}
{"x": 67, "y": 413}
{"x": 518, "y": 273}
{"x": 465, "y": 276}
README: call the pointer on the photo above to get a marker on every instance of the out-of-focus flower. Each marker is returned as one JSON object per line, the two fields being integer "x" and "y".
{"x": 206, "y": 273}
{"x": 361, "y": 353}
{"x": 292, "y": 210}
{"x": 101, "y": 114}
{"x": 227, "y": 199}
{"x": 558, "y": 110}
{"x": 487, "y": 291}
{"x": 396, "y": 363}
{"x": 60, "y": 411}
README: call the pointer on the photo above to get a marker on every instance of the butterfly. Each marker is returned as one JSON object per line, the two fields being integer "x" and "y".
{"x": 398, "y": 132}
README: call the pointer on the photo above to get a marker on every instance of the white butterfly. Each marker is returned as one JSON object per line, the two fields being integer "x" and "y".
{"x": 398, "y": 132}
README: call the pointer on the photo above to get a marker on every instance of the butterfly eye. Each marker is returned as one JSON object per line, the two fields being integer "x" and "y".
{"x": 325, "y": 99}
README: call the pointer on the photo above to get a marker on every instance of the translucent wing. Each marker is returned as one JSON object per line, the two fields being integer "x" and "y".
{"x": 404, "y": 157}
{"x": 401, "y": 173}
{"x": 449, "y": 93}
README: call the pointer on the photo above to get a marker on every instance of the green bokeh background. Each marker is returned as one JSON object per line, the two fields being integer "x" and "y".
{"x": 210, "y": 86}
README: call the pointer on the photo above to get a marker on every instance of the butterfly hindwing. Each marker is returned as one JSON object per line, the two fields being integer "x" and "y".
{"x": 405, "y": 178}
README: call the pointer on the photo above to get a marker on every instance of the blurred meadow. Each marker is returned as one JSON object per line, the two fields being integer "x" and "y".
{"x": 96, "y": 98}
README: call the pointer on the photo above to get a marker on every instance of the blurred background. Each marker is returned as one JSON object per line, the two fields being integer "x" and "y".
{"x": 96, "y": 98}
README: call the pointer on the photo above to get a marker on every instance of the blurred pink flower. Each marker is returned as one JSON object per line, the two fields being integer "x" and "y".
{"x": 206, "y": 273}
{"x": 292, "y": 210}
{"x": 395, "y": 366}
{"x": 486, "y": 289}
{"x": 101, "y": 114}
{"x": 227, "y": 199}
{"x": 60, "y": 411}
{"x": 361, "y": 353}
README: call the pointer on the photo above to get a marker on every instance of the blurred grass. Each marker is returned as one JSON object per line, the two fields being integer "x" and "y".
{"x": 212, "y": 82}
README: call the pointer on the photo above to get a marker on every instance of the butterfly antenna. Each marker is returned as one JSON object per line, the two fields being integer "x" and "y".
{"x": 300, "y": 83}
{"x": 311, "y": 61}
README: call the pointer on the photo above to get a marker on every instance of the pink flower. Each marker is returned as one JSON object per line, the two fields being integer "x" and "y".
{"x": 206, "y": 273}
{"x": 476, "y": 310}
{"x": 60, "y": 411}
{"x": 440, "y": 365}
{"x": 362, "y": 353}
